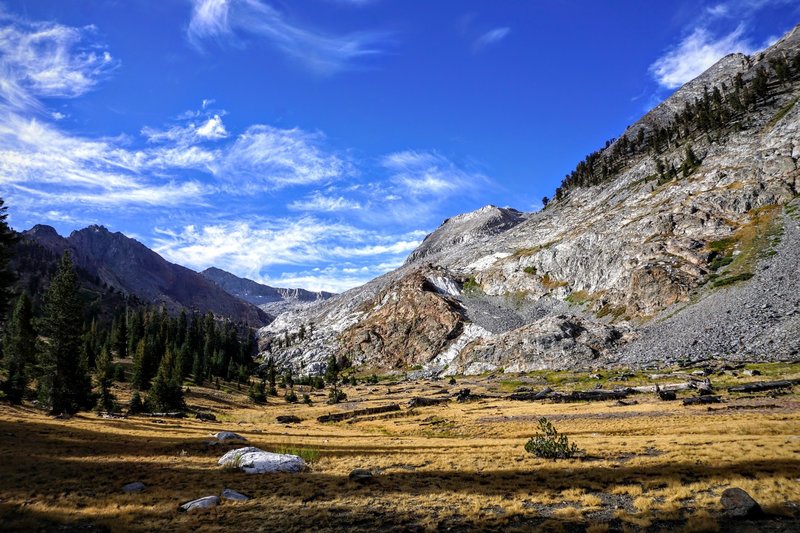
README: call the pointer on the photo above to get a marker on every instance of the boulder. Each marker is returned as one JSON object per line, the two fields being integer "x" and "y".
{"x": 361, "y": 475}
{"x": 207, "y": 502}
{"x": 738, "y": 504}
{"x": 230, "y": 494}
{"x": 256, "y": 461}
{"x": 228, "y": 436}
{"x": 136, "y": 486}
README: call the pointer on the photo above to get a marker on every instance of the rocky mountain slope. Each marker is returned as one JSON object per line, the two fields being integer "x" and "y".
{"x": 131, "y": 268}
{"x": 656, "y": 249}
{"x": 273, "y": 300}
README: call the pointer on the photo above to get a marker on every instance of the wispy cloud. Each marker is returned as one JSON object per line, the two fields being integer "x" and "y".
{"x": 48, "y": 60}
{"x": 696, "y": 53}
{"x": 319, "y": 202}
{"x": 332, "y": 251}
{"x": 235, "y": 19}
{"x": 491, "y": 37}
{"x": 426, "y": 173}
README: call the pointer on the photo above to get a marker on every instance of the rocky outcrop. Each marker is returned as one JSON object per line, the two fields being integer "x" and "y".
{"x": 408, "y": 323}
{"x": 558, "y": 342}
{"x": 252, "y": 460}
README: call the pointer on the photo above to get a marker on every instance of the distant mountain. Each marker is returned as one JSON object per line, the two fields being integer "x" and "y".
{"x": 130, "y": 267}
{"x": 270, "y": 299}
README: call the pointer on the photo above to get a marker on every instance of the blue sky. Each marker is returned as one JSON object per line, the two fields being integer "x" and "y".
{"x": 314, "y": 143}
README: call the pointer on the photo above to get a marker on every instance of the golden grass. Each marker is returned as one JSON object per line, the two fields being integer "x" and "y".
{"x": 436, "y": 467}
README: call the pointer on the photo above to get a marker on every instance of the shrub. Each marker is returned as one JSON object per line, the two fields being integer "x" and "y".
{"x": 530, "y": 270}
{"x": 452, "y": 381}
{"x": 307, "y": 399}
{"x": 549, "y": 444}
{"x": 373, "y": 379}
{"x": 290, "y": 397}
{"x": 336, "y": 396}
{"x": 119, "y": 373}
{"x": 258, "y": 392}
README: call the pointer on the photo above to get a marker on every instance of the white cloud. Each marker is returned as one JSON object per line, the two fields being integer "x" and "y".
{"x": 490, "y": 37}
{"x": 213, "y": 128}
{"x": 47, "y": 60}
{"x": 324, "y": 54}
{"x": 695, "y": 53}
{"x": 320, "y": 203}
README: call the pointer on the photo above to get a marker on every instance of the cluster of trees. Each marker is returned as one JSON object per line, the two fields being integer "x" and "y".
{"x": 55, "y": 347}
{"x": 719, "y": 111}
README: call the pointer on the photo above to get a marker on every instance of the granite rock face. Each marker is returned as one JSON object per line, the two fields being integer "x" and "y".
{"x": 601, "y": 274}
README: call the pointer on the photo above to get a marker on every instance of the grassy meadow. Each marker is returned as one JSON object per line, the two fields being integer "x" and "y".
{"x": 652, "y": 465}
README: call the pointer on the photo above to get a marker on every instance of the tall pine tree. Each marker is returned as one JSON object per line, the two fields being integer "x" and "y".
{"x": 64, "y": 384}
{"x": 20, "y": 349}
{"x": 8, "y": 238}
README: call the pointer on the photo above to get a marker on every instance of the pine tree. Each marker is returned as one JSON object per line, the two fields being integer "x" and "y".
{"x": 104, "y": 377}
{"x": 8, "y": 240}
{"x": 64, "y": 385}
{"x": 20, "y": 349}
{"x": 120, "y": 335}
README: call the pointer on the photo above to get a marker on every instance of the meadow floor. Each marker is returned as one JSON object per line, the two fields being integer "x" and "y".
{"x": 654, "y": 465}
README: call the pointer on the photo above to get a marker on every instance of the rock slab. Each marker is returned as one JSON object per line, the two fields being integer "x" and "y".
{"x": 230, "y": 494}
{"x": 225, "y": 436}
{"x": 136, "y": 486}
{"x": 206, "y": 502}
{"x": 253, "y": 460}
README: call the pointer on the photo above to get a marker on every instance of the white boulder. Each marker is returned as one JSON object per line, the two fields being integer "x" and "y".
{"x": 256, "y": 461}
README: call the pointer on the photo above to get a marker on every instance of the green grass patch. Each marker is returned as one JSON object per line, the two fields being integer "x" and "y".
{"x": 307, "y": 454}
{"x": 530, "y": 270}
{"x": 614, "y": 311}
{"x": 730, "y": 280}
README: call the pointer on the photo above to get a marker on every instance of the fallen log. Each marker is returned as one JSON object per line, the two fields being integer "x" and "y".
{"x": 338, "y": 417}
{"x": 531, "y": 396}
{"x": 426, "y": 402}
{"x": 701, "y": 400}
{"x": 762, "y": 386}
{"x": 588, "y": 396}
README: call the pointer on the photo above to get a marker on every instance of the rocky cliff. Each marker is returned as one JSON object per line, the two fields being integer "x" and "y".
{"x": 686, "y": 210}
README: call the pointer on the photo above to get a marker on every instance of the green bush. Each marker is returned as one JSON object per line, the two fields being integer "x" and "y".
{"x": 290, "y": 397}
{"x": 549, "y": 444}
{"x": 336, "y": 396}
{"x": 307, "y": 399}
{"x": 721, "y": 282}
{"x": 258, "y": 393}
{"x": 530, "y": 270}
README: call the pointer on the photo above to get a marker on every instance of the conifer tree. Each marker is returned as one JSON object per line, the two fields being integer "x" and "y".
{"x": 64, "y": 385}
{"x": 104, "y": 377}
{"x": 20, "y": 349}
{"x": 8, "y": 239}
{"x": 166, "y": 393}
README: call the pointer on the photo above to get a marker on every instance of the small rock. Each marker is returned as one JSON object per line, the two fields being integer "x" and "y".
{"x": 737, "y": 503}
{"x": 226, "y": 436}
{"x": 288, "y": 419}
{"x": 230, "y": 494}
{"x": 136, "y": 486}
{"x": 206, "y": 502}
{"x": 361, "y": 475}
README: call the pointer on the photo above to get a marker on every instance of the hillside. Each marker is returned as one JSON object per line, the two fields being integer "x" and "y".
{"x": 682, "y": 216}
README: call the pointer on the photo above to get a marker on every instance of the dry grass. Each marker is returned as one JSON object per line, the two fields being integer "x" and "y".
{"x": 454, "y": 465}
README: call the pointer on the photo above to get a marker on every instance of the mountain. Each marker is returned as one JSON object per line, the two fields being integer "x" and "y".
{"x": 128, "y": 266}
{"x": 678, "y": 241}
{"x": 270, "y": 299}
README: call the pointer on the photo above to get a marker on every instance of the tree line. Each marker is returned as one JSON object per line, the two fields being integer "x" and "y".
{"x": 72, "y": 360}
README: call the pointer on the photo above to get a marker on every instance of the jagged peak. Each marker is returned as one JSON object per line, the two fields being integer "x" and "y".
{"x": 42, "y": 230}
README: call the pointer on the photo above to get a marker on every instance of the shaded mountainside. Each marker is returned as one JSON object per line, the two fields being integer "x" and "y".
{"x": 273, "y": 300}
{"x": 124, "y": 264}
{"x": 689, "y": 206}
